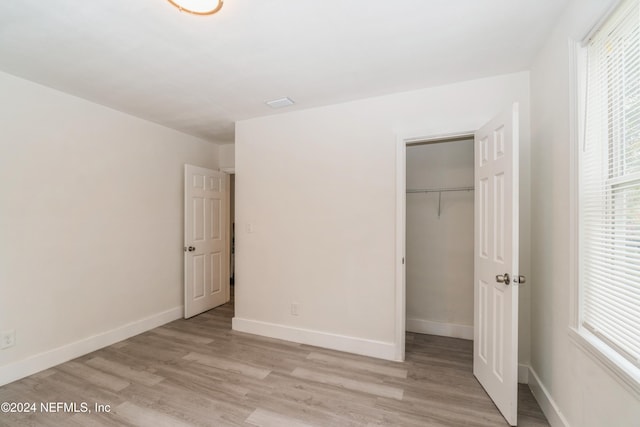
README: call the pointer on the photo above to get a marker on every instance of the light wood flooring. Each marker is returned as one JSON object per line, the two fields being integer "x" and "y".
{"x": 198, "y": 372}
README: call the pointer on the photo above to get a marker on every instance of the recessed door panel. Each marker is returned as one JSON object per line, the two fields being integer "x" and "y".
{"x": 483, "y": 212}
{"x": 214, "y": 219}
{"x": 199, "y": 275}
{"x": 198, "y": 219}
{"x": 498, "y": 215}
{"x": 214, "y": 183}
{"x": 498, "y": 143}
{"x": 216, "y": 271}
{"x": 198, "y": 181}
{"x": 483, "y": 320}
{"x": 483, "y": 151}
{"x": 498, "y": 333}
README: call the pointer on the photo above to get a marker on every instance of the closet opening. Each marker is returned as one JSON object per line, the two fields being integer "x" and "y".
{"x": 439, "y": 224}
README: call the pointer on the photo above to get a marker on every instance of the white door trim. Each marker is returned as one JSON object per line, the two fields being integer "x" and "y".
{"x": 401, "y": 188}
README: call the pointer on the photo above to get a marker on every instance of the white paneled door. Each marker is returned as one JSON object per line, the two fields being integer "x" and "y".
{"x": 206, "y": 258}
{"x": 495, "y": 346}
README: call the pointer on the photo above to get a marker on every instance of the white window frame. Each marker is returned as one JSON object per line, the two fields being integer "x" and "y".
{"x": 615, "y": 364}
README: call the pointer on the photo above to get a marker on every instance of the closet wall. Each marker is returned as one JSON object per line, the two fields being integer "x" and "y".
{"x": 439, "y": 250}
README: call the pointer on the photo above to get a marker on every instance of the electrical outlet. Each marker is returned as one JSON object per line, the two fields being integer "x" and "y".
{"x": 7, "y": 339}
{"x": 294, "y": 308}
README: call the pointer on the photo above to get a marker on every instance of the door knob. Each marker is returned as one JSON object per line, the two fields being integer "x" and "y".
{"x": 190, "y": 249}
{"x": 503, "y": 278}
{"x": 519, "y": 279}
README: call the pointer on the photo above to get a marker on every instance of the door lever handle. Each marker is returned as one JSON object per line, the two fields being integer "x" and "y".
{"x": 190, "y": 248}
{"x": 503, "y": 278}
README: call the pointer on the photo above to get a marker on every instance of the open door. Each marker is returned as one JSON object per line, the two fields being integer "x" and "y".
{"x": 495, "y": 346}
{"x": 206, "y": 255}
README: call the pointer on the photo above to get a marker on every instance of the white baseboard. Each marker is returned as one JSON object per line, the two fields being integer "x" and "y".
{"x": 22, "y": 368}
{"x": 453, "y": 330}
{"x": 365, "y": 347}
{"x": 546, "y": 402}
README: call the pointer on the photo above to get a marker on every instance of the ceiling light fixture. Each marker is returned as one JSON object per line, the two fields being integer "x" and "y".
{"x": 198, "y": 7}
{"x": 279, "y": 103}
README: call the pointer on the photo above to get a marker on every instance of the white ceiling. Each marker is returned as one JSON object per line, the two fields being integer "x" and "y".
{"x": 201, "y": 74}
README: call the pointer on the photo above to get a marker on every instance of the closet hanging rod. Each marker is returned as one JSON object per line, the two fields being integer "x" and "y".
{"x": 439, "y": 190}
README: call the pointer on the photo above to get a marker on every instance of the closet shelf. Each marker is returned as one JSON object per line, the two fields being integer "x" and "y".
{"x": 439, "y": 191}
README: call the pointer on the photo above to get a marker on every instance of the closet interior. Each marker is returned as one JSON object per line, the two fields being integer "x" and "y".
{"x": 439, "y": 238}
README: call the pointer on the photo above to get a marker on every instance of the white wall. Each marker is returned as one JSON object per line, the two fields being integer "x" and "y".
{"x": 91, "y": 223}
{"x": 227, "y": 156}
{"x": 439, "y": 250}
{"x": 318, "y": 187}
{"x": 583, "y": 392}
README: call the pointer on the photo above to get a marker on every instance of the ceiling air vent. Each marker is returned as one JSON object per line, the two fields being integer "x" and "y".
{"x": 279, "y": 103}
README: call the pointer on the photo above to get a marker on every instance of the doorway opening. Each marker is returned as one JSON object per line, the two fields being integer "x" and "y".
{"x": 495, "y": 246}
{"x": 232, "y": 228}
{"x": 231, "y": 233}
{"x": 439, "y": 218}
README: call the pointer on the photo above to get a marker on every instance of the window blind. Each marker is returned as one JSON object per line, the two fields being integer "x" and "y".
{"x": 610, "y": 185}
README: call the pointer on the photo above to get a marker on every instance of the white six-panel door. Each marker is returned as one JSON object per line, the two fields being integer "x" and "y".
{"x": 206, "y": 258}
{"x": 495, "y": 352}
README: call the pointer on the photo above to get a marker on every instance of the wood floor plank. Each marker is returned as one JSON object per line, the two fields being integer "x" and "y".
{"x": 228, "y": 365}
{"x": 316, "y": 403}
{"x": 263, "y": 418}
{"x": 365, "y": 387}
{"x": 308, "y": 412}
{"x": 199, "y": 379}
{"x": 198, "y": 372}
{"x": 94, "y": 376}
{"x": 441, "y": 412}
{"x": 358, "y": 365}
{"x": 181, "y": 335}
{"x": 124, "y": 372}
{"x": 144, "y": 417}
{"x": 191, "y": 408}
